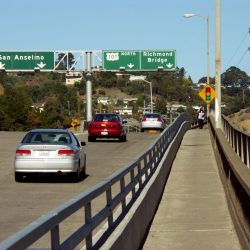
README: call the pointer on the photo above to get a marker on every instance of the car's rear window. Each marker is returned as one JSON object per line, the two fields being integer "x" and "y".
{"x": 46, "y": 137}
{"x": 152, "y": 115}
{"x": 106, "y": 118}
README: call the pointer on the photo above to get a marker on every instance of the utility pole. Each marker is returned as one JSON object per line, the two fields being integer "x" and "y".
{"x": 88, "y": 63}
{"x": 218, "y": 69}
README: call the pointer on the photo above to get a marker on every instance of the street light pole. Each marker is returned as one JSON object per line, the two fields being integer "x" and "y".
{"x": 218, "y": 70}
{"x": 151, "y": 95}
{"x": 208, "y": 46}
{"x": 208, "y": 51}
{"x": 141, "y": 78}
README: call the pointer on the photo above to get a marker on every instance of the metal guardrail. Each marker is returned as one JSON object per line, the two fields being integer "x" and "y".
{"x": 235, "y": 176}
{"x": 131, "y": 180}
{"x": 239, "y": 140}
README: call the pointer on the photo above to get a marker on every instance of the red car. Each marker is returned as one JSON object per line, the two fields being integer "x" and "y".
{"x": 107, "y": 125}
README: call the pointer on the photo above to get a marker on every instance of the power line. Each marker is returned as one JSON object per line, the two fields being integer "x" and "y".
{"x": 244, "y": 54}
{"x": 247, "y": 63}
{"x": 237, "y": 49}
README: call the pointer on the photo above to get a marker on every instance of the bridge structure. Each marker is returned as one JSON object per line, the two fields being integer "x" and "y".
{"x": 189, "y": 190}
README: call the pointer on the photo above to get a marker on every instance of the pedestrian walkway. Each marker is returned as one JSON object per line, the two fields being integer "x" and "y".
{"x": 193, "y": 213}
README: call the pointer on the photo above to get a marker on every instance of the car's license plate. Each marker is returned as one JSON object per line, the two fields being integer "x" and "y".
{"x": 104, "y": 133}
{"x": 44, "y": 153}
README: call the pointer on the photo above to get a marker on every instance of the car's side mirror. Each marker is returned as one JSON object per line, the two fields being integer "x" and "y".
{"x": 83, "y": 143}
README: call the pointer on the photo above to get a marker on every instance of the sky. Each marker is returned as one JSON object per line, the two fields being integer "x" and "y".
{"x": 131, "y": 25}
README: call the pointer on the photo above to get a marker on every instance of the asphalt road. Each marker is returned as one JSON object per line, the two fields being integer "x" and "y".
{"x": 22, "y": 203}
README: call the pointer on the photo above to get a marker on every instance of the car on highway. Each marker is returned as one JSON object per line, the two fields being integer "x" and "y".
{"x": 152, "y": 121}
{"x": 107, "y": 125}
{"x": 47, "y": 151}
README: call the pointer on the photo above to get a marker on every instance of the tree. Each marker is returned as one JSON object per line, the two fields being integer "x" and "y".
{"x": 15, "y": 105}
{"x": 53, "y": 113}
{"x": 204, "y": 80}
{"x": 65, "y": 60}
{"x": 234, "y": 77}
{"x": 161, "y": 105}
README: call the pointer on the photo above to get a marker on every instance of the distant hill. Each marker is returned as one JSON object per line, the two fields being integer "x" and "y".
{"x": 113, "y": 93}
{"x": 241, "y": 120}
{"x": 1, "y": 89}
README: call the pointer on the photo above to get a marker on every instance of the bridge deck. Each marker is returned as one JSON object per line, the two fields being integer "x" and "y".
{"x": 193, "y": 212}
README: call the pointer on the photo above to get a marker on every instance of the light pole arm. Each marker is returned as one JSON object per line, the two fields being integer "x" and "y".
{"x": 151, "y": 95}
{"x": 208, "y": 51}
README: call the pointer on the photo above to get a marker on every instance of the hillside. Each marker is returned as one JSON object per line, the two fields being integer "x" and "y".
{"x": 1, "y": 89}
{"x": 113, "y": 93}
{"x": 241, "y": 120}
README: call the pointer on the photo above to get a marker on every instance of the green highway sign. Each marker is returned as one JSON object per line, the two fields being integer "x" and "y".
{"x": 26, "y": 60}
{"x": 116, "y": 60}
{"x": 156, "y": 60}
{"x": 142, "y": 60}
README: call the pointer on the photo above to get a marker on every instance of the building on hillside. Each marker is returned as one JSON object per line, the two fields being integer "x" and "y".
{"x": 38, "y": 107}
{"x": 129, "y": 100}
{"x": 174, "y": 107}
{"x": 104, "y": 100}
{"x": 73, "y": 77}
{"x": 198, "y": 86}
{"x": 125, "y": 110}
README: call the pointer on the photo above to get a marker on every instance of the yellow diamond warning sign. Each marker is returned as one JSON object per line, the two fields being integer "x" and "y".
{"x": 207, "y": 94}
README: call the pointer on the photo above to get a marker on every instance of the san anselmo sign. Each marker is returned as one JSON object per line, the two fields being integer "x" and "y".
{"x": 26, "y": 60}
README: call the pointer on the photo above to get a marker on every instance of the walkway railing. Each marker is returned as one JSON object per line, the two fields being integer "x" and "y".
{"x": 239, "y": 140}
{"x": 130, "y": 182}
{"x": 234, "y": 174}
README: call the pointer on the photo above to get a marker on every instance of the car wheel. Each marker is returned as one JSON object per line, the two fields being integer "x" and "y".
{"x": 83, "y": 172}
{"x": 18, "y": 177}
{"x": 91, "y": 139}
{"x": 142, "y": 130}
{"x": 122, "y": 138}
{"x": 77, "y": 174}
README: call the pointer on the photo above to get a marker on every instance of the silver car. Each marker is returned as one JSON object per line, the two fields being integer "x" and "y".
{"x": 152, "y": 121}
{"x": 44, "y": 151}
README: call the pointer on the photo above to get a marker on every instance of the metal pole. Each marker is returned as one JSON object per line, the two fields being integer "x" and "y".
{"x": 218, "y": 70}
{"x": 89, "y": 85}
{"x": 151, "y": 96}
{"x": 208, "y": 47}
{"x": 208, "y": 69}
{"x": 208, "y": 50}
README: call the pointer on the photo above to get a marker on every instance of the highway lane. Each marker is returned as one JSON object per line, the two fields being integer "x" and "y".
{"x": 22, "y": 203}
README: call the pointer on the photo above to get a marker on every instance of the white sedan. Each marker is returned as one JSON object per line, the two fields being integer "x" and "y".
{"x": 44, "y": 151}
{"x": 152, "y": 121}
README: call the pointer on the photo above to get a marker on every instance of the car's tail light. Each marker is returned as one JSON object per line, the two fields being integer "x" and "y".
{"x": 115, "y": 126}
{"x": 23, "y": 152}
{"x": 144, "y": 119}
{"x": 159, "y": 119}
{"x": 94, "y": 126}
{"x": 66, "y": 152}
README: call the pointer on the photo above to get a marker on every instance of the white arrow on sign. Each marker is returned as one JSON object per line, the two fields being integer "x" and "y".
{"x": 131, "y": 65}
{"x": 2, "y": 65}
{"x": 41, "y": 65}
{"x": 169, "y": 65}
